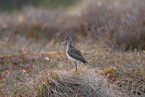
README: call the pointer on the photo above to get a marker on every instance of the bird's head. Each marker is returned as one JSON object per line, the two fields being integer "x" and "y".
{"x": 67, "y": 39}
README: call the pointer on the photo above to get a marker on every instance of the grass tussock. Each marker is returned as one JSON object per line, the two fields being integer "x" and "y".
{"x": 64, "y": 83}
{"x": 133, "y": 83}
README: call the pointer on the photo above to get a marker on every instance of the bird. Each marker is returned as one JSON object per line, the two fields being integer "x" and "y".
{"x": 72, "y": 53}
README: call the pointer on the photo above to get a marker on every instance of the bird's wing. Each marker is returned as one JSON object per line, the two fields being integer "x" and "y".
{"x": 73, "y": 52}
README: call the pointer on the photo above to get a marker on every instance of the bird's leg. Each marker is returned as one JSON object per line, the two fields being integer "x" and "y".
{"x": 76, "y": 71}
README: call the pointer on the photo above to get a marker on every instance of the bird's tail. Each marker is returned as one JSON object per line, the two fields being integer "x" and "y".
{"x": 86, "y": 63}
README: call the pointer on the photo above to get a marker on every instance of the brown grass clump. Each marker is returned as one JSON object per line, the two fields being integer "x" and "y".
{"x": 65, "y": 83}
{"x": 125, "y": 69}
{"x": 133, "y": 83}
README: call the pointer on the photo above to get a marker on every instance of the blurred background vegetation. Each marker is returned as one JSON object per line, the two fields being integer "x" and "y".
{"x": 117, "y": 24}
{"x": 9, "y": 5}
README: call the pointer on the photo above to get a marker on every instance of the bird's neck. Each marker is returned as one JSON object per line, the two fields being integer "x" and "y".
{"x": 68, "y": 46}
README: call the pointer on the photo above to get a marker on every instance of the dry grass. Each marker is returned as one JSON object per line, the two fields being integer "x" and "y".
{"x": 22, "y": 69}
{"x": 63, "y": 83}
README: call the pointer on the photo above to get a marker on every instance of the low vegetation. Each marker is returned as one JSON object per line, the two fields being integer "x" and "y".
{"x": 27, "y": 72}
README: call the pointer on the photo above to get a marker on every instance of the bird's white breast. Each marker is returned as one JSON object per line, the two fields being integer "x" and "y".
{"x": 71, "y": 58}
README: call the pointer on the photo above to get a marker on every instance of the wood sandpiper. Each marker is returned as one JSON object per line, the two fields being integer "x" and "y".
{"x": 72, "y": 53}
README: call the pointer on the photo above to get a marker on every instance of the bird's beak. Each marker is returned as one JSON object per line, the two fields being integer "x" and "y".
{"x": 62, "y": 40}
